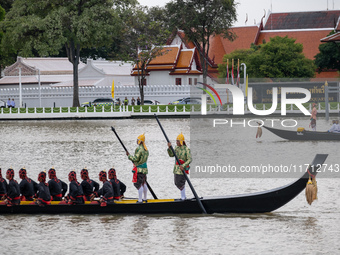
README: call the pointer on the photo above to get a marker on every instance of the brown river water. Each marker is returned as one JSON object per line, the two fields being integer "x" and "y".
{"x": 296, "y": 228}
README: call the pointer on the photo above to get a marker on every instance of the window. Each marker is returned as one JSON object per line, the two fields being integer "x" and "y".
{"x": 190, "y": 81}
{"x": 178, "y": 81}
{"x": 195, "y": 81}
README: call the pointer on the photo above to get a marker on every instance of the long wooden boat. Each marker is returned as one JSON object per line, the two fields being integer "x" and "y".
{"x": 304, "y": 135}
{"x": 259, "y": 202}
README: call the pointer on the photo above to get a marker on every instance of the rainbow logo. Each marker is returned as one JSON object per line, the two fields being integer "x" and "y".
{"x": 210, "y": 94}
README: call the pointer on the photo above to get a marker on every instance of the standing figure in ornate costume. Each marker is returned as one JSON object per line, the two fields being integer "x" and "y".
{"x": 184, "y": 155}
{"x": 140, "y": 169}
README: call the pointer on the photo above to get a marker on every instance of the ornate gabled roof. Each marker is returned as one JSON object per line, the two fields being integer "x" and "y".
{"x": 174, "y": 59}
{"x": 185, "y": 59}
{"x": 332, "y": 38}
{"x": 47, "y": 66}
{"x": 13, "y": 70}
{"x": 166, "y": 60}
{"x": 168, "y": 56}
{"x": 337, "y": 27}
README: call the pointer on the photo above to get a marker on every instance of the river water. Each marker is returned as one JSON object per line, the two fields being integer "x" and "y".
{"x": 296, "y": 228}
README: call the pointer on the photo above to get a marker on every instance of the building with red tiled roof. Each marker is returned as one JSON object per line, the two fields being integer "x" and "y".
{"x": 306, "y": 27}
{"x": 174, "y": 65}
{"x": 302, "y": 20}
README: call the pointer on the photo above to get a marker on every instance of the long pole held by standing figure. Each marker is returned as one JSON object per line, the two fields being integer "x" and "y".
{"x": 147, "y": 184}
{"x": 185, "y": 174}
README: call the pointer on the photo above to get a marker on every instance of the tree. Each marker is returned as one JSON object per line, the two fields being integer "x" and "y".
{"x": 7, "y": 4}
{"x": 145, "y": 33}
{"x": 328, "y": 57}
{"x": 6, "y": 57}
{"x": 201, "y": 20}
{"x": 280, "y": 58}
{"x": 43, "y": 27}
{"x": 2, "y": 16}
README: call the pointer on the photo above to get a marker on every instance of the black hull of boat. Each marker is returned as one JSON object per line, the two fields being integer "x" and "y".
{"x": 261, "y": 202}
{"x": 305, "y": 135}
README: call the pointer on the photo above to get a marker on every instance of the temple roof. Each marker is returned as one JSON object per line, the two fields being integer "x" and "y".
{"x": 302, "y": 20}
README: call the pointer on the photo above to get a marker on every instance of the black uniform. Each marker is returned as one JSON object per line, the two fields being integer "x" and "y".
{"x": 57, "y": 188}
{"x": 43, "y": 193}
{"x": 3, "y": 187}
{"x": 28, "y": 188}
{"x": 76, "y": 195}
{"x": 122, "y": 187}
{"x": 89, "y": 187}
{"x": 106, "y": 192}
{"x": 116, "y": 188}
{"x": 13, "y": 193}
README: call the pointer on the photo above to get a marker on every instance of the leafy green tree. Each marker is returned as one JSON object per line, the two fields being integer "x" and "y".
{"x": 43, "y": 27}
{"x": 2, "y": 16}
{"x": 279, "y": 58}
{"x": 201, "y": 20}
{"x": 6, "y": 57}
{"x": 7, "y": 4}
{"x": 328, "y": 57}
{"x": 144, "y": 34}
{"x": 2, "y": 13}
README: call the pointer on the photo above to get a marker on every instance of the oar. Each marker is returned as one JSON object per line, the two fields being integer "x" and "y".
{"x": 147, "y": 184}
{"x": 185, "y": 174}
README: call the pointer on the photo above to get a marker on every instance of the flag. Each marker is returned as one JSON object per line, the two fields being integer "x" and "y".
{"x": 113, "y": 89}
{"x": 227, "y": 76}
{"x": 232, "y": 72}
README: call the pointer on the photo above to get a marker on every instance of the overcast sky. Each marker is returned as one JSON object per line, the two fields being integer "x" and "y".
{"x": 255, "y": 8}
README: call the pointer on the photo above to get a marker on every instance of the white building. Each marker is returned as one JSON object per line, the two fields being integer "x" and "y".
{"x": 101, "y": 73}
{"x": 58, "y": 72}
{"x": 52, "y": 71}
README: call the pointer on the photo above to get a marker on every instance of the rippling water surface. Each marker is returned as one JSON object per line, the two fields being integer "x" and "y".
{"x": 296, "y": 228}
